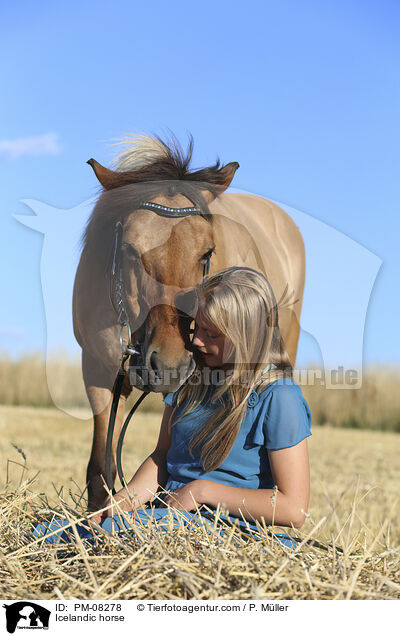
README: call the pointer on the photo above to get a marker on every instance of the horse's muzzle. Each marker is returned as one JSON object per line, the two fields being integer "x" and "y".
{"x": 159, "y": 378}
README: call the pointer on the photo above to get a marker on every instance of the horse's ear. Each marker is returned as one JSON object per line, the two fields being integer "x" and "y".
{"x": 106, "y": 177}
{"x": 222, "y": 182}
{"x": 227, "y": 173}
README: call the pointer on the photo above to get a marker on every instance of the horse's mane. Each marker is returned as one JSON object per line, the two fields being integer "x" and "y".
{"x": 147, "y": 167}
{"x": 153, "y": 159}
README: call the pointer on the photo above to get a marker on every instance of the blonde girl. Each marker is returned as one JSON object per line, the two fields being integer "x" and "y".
{"x": 236, "y": 432}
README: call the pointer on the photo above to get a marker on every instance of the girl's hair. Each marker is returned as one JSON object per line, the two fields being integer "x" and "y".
{"x": 240, "y": 303}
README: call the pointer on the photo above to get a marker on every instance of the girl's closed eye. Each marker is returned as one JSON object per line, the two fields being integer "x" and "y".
{"x": 212, "y": 335}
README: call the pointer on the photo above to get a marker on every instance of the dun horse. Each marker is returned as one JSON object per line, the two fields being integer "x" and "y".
{"x": 154, "y": 231}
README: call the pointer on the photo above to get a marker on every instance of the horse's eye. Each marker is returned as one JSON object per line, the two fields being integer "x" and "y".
{"x": 207, "y": 255}
{"x": 130, "y": 251}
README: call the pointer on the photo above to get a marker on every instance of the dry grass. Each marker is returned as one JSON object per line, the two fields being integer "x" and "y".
{"x": 29, "y": 381}
{"x": 24, "y": 381}
{"x": 353, "y": 511}
{"x": 376, "y": 405}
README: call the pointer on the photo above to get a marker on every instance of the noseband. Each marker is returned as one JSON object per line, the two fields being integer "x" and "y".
{"x": 131, "y": 350}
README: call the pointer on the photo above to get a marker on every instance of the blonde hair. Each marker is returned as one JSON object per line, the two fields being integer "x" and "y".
{"x": 240, "y": 303}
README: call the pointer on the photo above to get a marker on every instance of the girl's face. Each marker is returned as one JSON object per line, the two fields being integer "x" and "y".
{"x": 216, "y": 349}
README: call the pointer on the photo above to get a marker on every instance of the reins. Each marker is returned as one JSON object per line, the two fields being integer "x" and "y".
{"x": 131, "y": 350}
{"x": 119, "y": 381}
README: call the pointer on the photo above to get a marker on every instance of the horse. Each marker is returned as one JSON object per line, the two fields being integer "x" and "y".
{"x": 156, "y": 229}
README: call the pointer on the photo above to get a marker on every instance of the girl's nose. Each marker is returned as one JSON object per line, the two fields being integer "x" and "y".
{"x": 197, "y": 342}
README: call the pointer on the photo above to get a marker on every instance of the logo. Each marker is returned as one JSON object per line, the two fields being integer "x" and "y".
{"x": 26, "y": 615}
{"x": 340, "y": 277}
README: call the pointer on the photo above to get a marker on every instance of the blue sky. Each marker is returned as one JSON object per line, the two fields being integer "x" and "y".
{"x": 304, "y": 95}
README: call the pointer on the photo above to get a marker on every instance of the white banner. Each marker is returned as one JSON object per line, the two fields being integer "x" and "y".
{"x": 134, "y": 617}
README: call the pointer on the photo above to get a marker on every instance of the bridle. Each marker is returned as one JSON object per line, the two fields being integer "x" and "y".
{"x": 116, "y": 283}
{"x": 132, "y": 349}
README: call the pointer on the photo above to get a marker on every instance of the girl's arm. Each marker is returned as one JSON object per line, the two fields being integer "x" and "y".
{"x": 286, "y": 506}
{"x": 149, "y": 476}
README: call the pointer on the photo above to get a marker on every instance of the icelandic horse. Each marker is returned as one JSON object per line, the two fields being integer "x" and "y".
{"x": 171, "y": 222}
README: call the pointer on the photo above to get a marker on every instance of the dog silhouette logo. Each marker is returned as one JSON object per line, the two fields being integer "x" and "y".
{"x": 26, "y": 615}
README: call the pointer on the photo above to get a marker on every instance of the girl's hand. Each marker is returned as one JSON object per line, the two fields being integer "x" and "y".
{"x": 120, "y": 502}
{"x": 100, "y": 516}
{"x": 187, "y": 497}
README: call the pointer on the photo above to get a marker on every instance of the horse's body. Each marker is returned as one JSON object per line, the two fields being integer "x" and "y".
{"x": 161, "y": 257}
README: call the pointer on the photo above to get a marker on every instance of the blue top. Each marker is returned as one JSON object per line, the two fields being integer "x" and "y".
{"x": 278, "y": 417}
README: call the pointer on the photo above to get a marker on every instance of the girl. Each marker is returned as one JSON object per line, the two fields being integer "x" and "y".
{"x": 235, "y": 433}
{"x": 239, "y": 424}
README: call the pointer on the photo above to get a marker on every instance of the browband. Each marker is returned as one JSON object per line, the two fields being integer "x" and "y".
{"x": 163, "y": 210}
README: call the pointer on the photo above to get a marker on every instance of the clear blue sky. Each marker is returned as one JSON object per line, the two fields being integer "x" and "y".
{"x": 304, "y": 95}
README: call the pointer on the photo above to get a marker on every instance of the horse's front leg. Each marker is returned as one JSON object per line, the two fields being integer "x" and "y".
{"x": 97, "y": 382}
{"x": 96, "y": 470}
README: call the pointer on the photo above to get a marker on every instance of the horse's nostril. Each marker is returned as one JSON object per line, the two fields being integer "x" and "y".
{"x": 154, "y": 363}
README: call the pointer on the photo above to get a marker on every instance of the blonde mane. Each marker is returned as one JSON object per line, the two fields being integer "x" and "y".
{"x": 139, "y": 151}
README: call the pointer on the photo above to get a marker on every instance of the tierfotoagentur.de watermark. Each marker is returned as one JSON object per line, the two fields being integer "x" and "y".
{"x": 331, "y": 378}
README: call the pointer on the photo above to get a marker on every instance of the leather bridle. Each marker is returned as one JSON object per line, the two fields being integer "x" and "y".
{"x": 116, "y": 283}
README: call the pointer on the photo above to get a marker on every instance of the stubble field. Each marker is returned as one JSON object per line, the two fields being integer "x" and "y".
{"x": 354, "y": 516}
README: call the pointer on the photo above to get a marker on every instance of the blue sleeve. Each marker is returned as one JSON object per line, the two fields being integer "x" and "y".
{"x": 287, "y": 419}
{"x": 170, "y": 398}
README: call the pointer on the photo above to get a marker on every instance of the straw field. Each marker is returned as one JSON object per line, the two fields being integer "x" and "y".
{"x": 353, "y": 520}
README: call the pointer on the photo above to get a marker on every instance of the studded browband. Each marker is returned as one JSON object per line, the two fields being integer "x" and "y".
{"x": 163, "y": 210}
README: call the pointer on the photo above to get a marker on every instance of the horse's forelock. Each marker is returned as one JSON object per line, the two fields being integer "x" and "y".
{"x": 142, "y": 152}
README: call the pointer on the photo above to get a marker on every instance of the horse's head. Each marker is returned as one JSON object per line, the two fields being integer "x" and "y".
{"x": 165, "y": 245}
